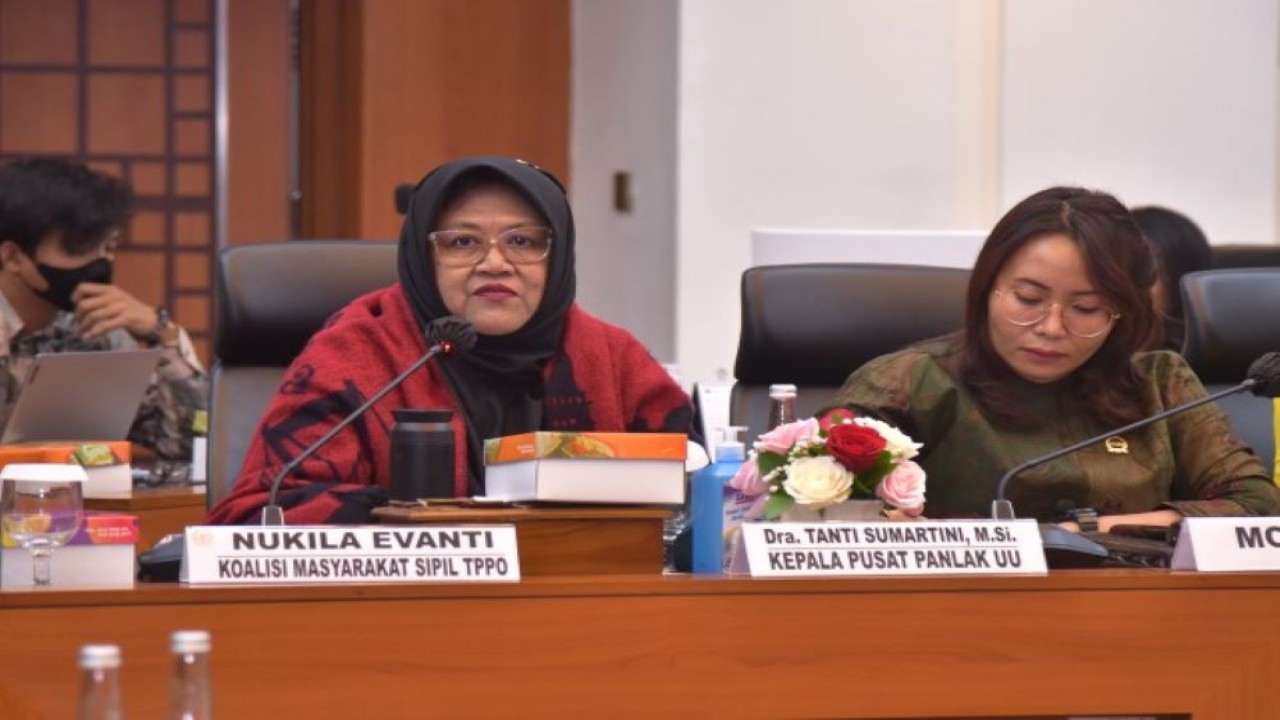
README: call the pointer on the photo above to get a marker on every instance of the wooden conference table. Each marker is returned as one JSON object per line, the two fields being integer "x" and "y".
{"x": 1103, "y": 642}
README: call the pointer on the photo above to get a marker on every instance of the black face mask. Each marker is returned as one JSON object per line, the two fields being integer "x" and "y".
{"x": 63, "y": 281}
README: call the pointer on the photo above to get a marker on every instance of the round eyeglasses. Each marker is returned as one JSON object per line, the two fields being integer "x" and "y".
{"x": 1082, "y": 319}
{"x": 464, "y": 248}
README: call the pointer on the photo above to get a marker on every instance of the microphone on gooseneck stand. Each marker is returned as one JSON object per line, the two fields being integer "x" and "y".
{"x": 1262, "y": 378}
{"x": 445, "y": 336}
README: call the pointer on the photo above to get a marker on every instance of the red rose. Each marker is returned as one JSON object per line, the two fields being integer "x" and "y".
{"x": 855, "y": 446}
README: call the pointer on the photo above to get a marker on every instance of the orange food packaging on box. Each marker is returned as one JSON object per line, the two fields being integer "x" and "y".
{"x": 106, "y": 462}
{"x": 588, "y": 467}
{"x": 99, "y": 527}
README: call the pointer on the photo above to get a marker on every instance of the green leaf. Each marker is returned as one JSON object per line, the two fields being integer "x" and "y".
{"x": 777, "y": 504}
{"x": 767, "y": 462}
{"x": 873, "y": 475}
{"x": 862, "y": 490}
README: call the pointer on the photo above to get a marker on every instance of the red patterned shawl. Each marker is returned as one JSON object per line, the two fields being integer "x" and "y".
{"x": 602, "y": 379}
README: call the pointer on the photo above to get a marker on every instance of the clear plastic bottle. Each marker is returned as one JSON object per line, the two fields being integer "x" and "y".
{"x": 190, "y": 692}
{"x": 782, "y": 405}
{"x": 100, "y": 683}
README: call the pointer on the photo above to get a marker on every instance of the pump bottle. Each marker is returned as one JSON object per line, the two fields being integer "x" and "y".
{"x": 707, "y": 503}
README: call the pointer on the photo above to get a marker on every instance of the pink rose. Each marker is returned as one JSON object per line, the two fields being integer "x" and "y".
{"x": 747, "y": 480}
{"x": 904, "y": 488}
{"x": 780, "y": 439}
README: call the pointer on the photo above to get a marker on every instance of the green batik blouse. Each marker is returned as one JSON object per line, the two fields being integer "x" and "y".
{"x": 1192, "y": 462}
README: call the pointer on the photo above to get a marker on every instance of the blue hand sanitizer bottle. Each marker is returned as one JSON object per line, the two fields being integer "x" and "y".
{"x": 706, "y": 503}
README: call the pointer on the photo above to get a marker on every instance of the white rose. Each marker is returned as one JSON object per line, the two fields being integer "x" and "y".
{"x": 898, "y": 443}
{"x": 818, "y": 481}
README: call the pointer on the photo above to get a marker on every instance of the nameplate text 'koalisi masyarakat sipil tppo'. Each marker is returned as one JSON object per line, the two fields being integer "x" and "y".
{"x": 1227, "y": 544}
{"x": 221, "y": 555}
{"x": 956, "y": 547}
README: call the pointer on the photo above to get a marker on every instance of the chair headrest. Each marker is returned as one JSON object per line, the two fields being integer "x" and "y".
{"x": 272, "y": 297}
{"x": 1231, "y": 320}
{"x": 1243, "y": 256}
{"x": 814, "y": 324}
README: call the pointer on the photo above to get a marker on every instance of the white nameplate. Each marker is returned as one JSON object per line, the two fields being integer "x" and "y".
{"x": 1225, "y": 544}
{"x": 953, "y": 547}
{"x": 312, "y": 554}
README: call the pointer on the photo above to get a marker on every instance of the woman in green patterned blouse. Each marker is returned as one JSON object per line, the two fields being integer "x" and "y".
{"x": 1057, "y": 313}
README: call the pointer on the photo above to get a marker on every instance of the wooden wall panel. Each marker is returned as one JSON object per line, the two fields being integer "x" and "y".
{"x": 391, "y": 89}
{"x": 258, "y": 121}
{"x": 147, "y": 229}
{"x": 198, "y": 308}
{"x": 38, "y": 112}
{"x": 38, "y": 31}
{"x": 192, "y": 11}
{"x": 447, "y": 78}
{"x": 99, "y": 81}
{"x": 329, "y": 118}
{"x": 191, "y": 271}
{"x": 192, "y": 179}
{"x": 126, "y": 115}
{"x": 139, "y": 271}
{"x": 149, "y": 178}
{"x": 192, "y": 93}
{"x": 190, "y": 49}
{"x": 438, "y": 79}
{"x": 123, "y": 39}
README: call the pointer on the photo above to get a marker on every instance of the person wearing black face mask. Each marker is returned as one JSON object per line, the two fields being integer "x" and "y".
{"x": 62, "y": 282}
{"x": 60, "y": 224}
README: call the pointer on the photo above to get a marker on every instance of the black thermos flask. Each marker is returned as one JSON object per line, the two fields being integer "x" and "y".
{"x": 421, "y": 454}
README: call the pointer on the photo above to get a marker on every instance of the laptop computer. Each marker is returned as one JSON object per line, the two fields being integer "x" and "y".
{"x": 81, "y": 396}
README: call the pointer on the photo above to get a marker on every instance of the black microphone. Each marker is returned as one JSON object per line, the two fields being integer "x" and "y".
{"x": 1262, "y": 378}
{"x": 445, "y": 336}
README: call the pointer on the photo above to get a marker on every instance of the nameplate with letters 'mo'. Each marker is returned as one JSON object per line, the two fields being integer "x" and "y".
{"x": 935, "y": 547}
{"x": 314, "y": 554}
{"x": 1228, "y": 544}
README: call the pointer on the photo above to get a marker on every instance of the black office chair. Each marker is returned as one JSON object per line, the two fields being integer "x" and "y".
{"x": 812, "y": 325}
{"x": 269, "y": 300}
{"x": 1245, "y": 256}
{"x": 1231, "y": 321}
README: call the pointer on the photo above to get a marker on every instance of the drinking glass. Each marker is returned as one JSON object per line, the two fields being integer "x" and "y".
{"x": 41, "y": 508}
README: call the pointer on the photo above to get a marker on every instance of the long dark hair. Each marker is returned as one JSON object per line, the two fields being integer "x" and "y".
{"x": 1122, "y": 268}
{"x": 1180, "y": 246}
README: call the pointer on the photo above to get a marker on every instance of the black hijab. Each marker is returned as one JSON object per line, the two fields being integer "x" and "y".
{"x": 499, "y": 383}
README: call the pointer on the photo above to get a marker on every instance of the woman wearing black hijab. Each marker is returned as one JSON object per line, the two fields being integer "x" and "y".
{"x": 489, "y": 239}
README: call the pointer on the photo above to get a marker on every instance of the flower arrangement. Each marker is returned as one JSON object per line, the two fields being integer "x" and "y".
{"x": 821, "y": 464}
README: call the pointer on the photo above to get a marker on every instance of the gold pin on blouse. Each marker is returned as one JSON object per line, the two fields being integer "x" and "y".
{"x": 1117, "y": 445}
